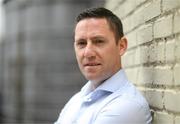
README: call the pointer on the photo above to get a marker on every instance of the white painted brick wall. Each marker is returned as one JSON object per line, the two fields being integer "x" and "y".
{"x": 139, "y": 2}
{"x": 170, "y": 49}
{"x": 141, "y": 56}
{"x": 111, "y": 4}
{"x": 138, "y": 16}
{"x": 177, "y": 120}
{"x": 163, "y": 27}
{"x": 144, "y": 75}
{"x": 125, "y": 7}
{"x": 163, "y": 118}
{"x": 161, "y": 52}
{"x": 172, "y": 101}
{"x": 152, "y": 52}
{"x": 145, "y": 34}
{"x": 155, "y": 98}
{"x": 152, "y": 61}
{"x": 128, "y": 23}
{"x": 133, "y": 72}
{"x": 177, "y": 48}
{"x": 128, "y": 58}
{"x": 176, "y": 74}
{"x": 152, "y": 9}
{"x": 163, "y": 75}
{"x": 170, "y": 4}
{"x": 176, "y": 22}
{"x": 131, "y": 37}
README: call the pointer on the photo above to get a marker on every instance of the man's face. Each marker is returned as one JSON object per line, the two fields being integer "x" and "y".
{"x": 97, "y": 52}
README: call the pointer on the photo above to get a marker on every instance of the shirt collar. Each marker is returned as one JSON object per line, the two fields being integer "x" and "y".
{"x": 112, "y": 84}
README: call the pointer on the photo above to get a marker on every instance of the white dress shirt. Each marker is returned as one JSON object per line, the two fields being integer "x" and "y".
{"x": 115, "y": 101}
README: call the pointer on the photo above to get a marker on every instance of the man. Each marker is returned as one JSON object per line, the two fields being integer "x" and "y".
{"x": 108, "y": 97}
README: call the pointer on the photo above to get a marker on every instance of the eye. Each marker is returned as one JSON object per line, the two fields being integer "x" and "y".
{"x": 81, "y": 43}
{"x": 99, "y": 41}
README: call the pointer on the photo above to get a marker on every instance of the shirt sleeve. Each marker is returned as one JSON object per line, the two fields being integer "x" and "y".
{"x": 124, "y": 112}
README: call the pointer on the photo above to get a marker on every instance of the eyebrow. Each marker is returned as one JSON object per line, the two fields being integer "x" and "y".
{"x": 98, "y": 37}
{"x": 92, "y": 38}
{"x": 80, "y": 39}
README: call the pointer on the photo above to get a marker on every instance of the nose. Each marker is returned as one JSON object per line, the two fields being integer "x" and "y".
{"x": 89, "y": 51}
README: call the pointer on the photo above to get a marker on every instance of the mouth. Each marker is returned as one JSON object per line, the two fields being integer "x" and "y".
{"x": 91, "y": 64}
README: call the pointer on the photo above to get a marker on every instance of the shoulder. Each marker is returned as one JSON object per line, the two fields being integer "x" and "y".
{"x": 127, "y": 105}
{"x": 69, "y": 109}
{"x": 129, "y": 99}
{"x": 73, "y": 100}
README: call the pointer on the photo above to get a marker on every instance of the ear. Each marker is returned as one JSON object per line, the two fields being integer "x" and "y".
{"x": 123, "y": 45}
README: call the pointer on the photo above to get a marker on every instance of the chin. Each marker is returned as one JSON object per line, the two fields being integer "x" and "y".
{"x": 91, "y": 77}
{"x": 94, "y": 78}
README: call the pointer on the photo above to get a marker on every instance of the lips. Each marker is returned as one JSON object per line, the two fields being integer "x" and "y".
{"x": 92, "y": 64}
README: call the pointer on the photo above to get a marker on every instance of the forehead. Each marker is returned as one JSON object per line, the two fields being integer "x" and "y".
{"x": 92, "y": 20}
{"x": 92, "y": 26}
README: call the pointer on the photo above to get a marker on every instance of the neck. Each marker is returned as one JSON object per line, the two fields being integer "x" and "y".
{"x": 96, "y": 83}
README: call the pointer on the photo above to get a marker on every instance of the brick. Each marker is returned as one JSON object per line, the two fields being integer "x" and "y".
{"x": 132, "y": 74}
{"x": 131, "y": 37}
{"x": 128, "y": 23}
{"x": 177, "y": 120}
{"x": 145, "y": 75}
{"x": 152, "y": 52}
{"x": 155, "y": 98}
{"x": 152, "y": 10}
{"x": 138, "y": 2}
{"x": 159, "y": 30}
{"x": 162, "y": 118}
{"x": 176, "y": 22}
{"x": 163, "y": 76}
{"x": 176, "y": 73}
{"x": 133, "y": 20}
{"x": 111, "y": 4}
{"x": 128, "y": 58}
{"x": 170, "y": 4}
{"x": 123, "y": 8}
{"x": 120, "y": 11}
{"x": 129, "y": 6}
{"x": 172, "y": 101}
{"x": 138, "y": 16}
{"x": 161, "y": 52}
{"x": 177, "y": 48}
{"x": 137, "y": 56}
{"x": 170, "y": 51}
{"x": 141, "y": 55}
{"x": 145, "y": 34}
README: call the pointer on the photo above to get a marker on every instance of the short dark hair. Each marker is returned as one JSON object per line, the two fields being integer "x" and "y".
{"x": 101, "y": 12}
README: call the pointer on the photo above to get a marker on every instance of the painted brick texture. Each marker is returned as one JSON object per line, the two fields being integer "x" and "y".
{"x": 152, "y": 60}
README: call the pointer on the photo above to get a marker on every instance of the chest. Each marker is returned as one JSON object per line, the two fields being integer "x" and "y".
{"x": 80, "y": 112}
